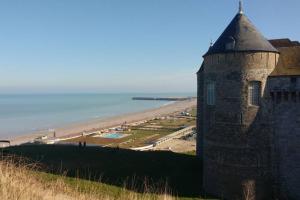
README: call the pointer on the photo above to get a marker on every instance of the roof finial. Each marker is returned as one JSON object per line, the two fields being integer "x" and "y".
{"x": 211, "y": 43}
{"x": 241, "y": 7}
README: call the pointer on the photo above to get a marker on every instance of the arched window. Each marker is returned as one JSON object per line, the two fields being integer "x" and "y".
{"x": 210, "y": 96}
{"x": 254, "y": 93}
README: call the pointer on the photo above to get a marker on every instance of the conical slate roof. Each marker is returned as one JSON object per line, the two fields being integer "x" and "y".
{"x": 241, "y": 35}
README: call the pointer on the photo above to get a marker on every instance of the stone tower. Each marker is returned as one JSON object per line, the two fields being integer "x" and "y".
{"x": 233, "y": 132}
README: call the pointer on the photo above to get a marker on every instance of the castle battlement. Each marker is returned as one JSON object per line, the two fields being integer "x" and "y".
{"x": 284, "y": 89}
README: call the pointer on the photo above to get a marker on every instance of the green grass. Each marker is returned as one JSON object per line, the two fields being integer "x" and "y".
{"x": 116, "y": 168}
{"x": 141, "y": 137}
{"x": 138, "y": 136}
{"x": 190, "y": 153}
{"x": 175, "y": 123}
{"x": 82, "y": 185}
{"x": 144, "y": 137}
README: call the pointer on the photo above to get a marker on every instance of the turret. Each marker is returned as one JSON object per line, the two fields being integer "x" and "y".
{"x": 233, "y": 141}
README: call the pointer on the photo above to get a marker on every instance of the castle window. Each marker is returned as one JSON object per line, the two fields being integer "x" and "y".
{"x": 210, "y": 97}
{"x": 254, "y": 93}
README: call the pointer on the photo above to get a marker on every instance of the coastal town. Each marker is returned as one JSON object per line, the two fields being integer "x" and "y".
{"x": 170, "y": 132}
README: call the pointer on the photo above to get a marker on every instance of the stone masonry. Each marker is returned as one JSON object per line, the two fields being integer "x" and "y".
{"x": 249, "y": 151}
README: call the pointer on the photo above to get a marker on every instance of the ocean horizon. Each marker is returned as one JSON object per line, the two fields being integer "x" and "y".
{"x": 30, "y": 113}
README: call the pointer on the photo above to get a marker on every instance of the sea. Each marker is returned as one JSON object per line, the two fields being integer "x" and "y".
{"x": 29, "y": 113}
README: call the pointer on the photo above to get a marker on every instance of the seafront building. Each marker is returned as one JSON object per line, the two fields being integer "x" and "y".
{"x": 248, "y": 125}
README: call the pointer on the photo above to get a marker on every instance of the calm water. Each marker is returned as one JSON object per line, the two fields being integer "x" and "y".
{"x": 20, "y": 114}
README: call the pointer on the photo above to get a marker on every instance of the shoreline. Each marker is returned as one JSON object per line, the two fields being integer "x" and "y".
{"x": 93, "y": 125}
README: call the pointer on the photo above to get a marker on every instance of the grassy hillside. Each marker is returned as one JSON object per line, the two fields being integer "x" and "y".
{"x": 21, "y": 181}
{"x": 115, "y": 171}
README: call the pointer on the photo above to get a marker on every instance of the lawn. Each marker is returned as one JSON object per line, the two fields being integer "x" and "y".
{"x": 139, "y": 135}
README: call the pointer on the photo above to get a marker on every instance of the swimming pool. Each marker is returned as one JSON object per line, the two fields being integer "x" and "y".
{"x": 112, "y": 135}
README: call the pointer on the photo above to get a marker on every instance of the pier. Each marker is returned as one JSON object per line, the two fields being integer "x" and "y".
{"x": 163, "y": 98}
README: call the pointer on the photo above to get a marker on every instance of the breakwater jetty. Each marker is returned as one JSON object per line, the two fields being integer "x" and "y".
{"x": 163, "y": 98}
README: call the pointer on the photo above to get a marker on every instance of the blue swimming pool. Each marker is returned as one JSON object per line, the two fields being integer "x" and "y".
{"x": 113, "y": 135}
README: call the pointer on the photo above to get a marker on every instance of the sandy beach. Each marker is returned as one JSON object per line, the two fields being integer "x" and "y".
{"x": 78, "y": 128}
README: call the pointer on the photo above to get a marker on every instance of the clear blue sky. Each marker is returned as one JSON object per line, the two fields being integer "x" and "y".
{"x": 121, "y": 45}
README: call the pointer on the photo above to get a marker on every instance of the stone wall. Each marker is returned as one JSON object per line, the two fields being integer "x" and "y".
{"x": 284, "y": 97}
{"x": 200, "y": 114}
{"x": 236, "y": 142}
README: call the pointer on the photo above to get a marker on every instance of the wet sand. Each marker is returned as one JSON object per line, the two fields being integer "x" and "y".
{"x": 78, "y": 128}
